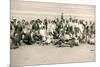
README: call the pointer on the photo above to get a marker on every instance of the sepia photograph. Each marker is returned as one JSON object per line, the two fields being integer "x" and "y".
{"x": 51, "y": 33}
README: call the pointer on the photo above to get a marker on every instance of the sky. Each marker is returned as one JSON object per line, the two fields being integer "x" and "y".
{"x": 32, "y": 9}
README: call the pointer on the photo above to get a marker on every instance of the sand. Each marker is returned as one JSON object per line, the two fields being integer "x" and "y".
{"x": 35, "y": 54}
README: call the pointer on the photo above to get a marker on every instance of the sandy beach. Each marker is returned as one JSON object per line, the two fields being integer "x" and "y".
{"x": 35, "y": 54}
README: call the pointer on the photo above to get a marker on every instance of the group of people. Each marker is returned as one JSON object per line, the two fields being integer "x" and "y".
{"x": 58, "y": 32}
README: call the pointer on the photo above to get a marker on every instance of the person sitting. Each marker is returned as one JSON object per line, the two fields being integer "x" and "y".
{"x": 49, "y": 38}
